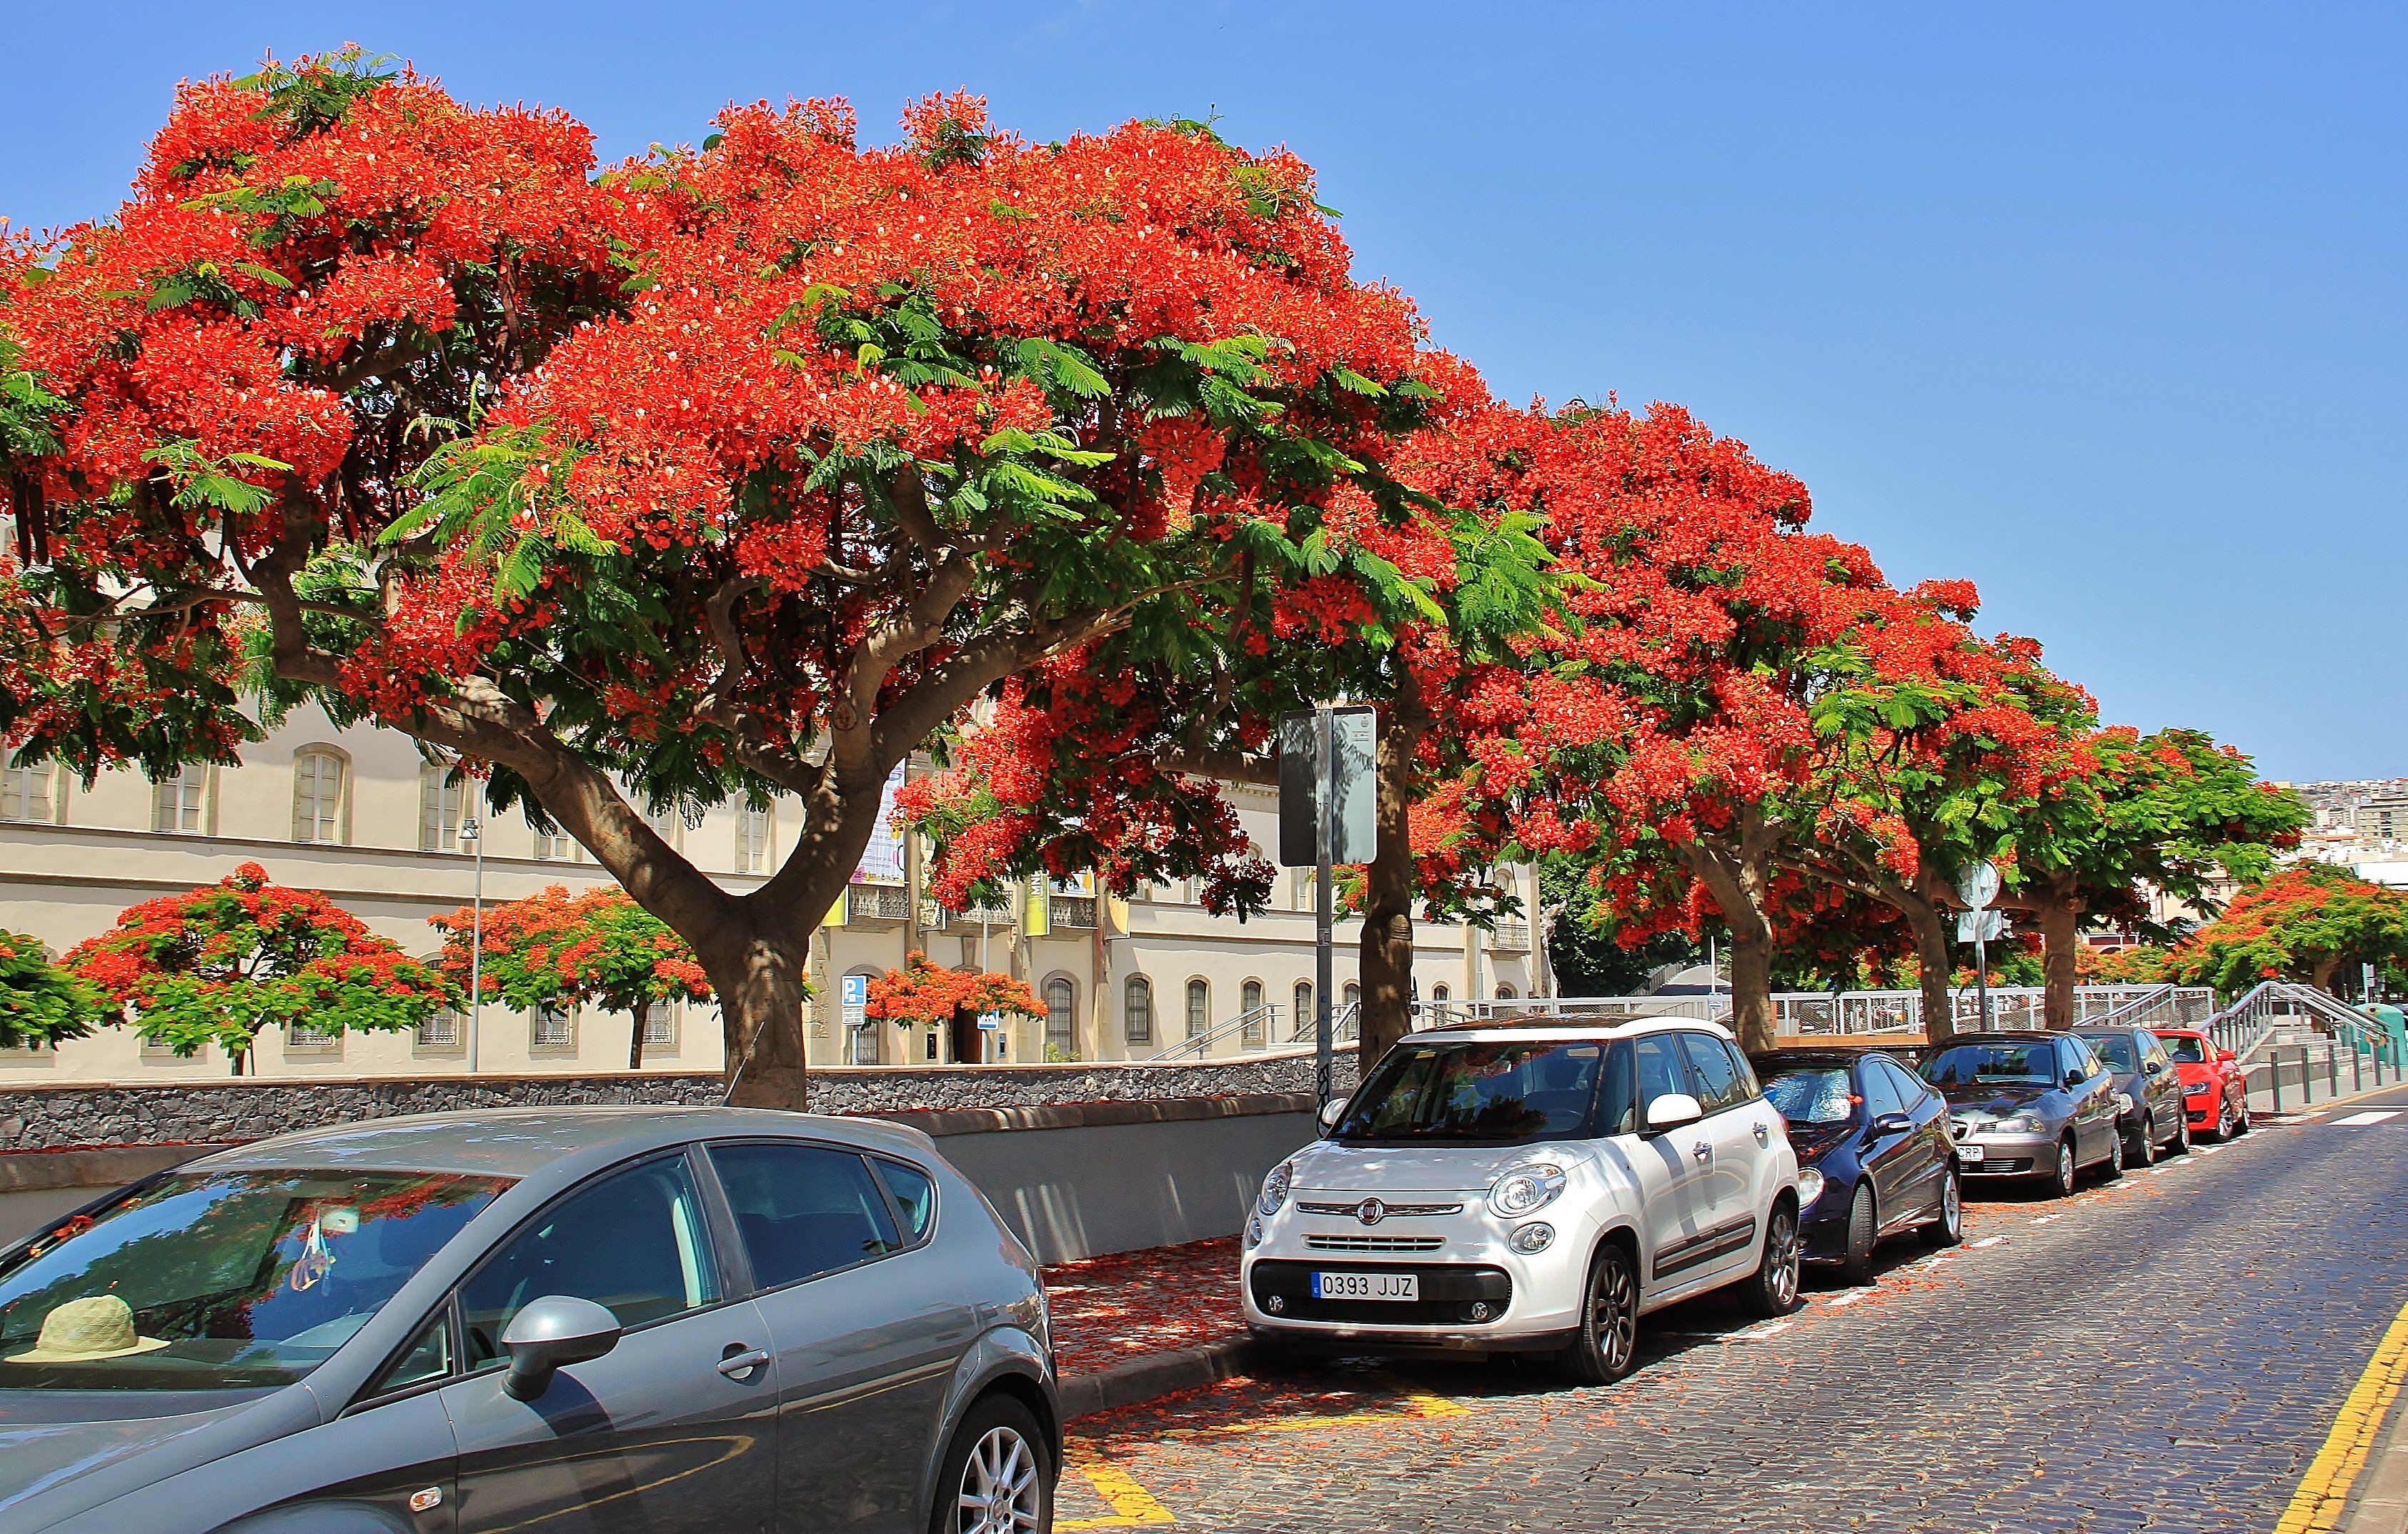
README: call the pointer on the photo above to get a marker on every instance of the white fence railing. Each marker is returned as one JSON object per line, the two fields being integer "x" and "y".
{"x": 1808, "y": 1013}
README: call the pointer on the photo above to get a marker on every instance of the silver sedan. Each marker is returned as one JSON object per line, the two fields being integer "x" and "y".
{"x": 565, "y": 1319}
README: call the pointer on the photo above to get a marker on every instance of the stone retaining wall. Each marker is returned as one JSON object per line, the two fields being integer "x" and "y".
{"x": 78, "y": 1115}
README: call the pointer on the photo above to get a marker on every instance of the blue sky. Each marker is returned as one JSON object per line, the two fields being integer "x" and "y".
{"x": 2101, "y": 305}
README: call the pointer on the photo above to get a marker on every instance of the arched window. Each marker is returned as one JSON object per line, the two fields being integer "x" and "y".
{"x": 555, "y": 845}
{"x": 1199, "y": 1008}
{"x": 1504, "y": 993}
{"x": 1249, "y": 1002}
{"x": 1303, "y": 998}
{"x": 1137, "y": 1011}
{"x": 1352, "y": 995}
{"x": 439, "y": 809}
{"x": 1440, "y": 994}
{"x": 1061, "y": 1018}
{"x": 318, "y": 775}
{"x": 26, "y": 792}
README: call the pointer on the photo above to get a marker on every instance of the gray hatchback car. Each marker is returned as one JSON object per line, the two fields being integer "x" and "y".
{"x": 557, "y": 1320}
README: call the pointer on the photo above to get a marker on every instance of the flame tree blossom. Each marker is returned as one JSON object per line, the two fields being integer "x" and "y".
{"x": 726, "y": 472}
{"x": 219, "y": 963}
{"x": 555, "y": 949}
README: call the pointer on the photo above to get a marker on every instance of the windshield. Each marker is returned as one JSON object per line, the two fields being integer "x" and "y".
{"x": 223, "y": 1280}
{"x": 2117, "y": 1049}
{"x": 1482, "y": 1091}
{"x": 2187, "y": 1048}
{"x": 1972, "y": 1065}
{"x": 1811, "y": 1093}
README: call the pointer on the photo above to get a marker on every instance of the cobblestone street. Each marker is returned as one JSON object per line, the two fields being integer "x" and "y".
{"x": 2164, "y": 1353}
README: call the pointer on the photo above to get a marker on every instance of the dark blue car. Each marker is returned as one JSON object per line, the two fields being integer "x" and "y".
{"x": 1874, "y": 1157}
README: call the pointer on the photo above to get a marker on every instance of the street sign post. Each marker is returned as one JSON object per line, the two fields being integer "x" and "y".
{"x": 1329, "y": 796}
{"x": 855, "y": 993}
{"x": 1977, "y": 886}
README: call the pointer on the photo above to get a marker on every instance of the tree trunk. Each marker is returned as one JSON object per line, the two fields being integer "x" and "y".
{"x": 1751, "y": 1015}
{"x": 1938, "y": 963}
{"x": 1738, "y": 873}
{"x": 2060, "y": 923}
{"x": 1384, "y": 957}
{"x": 762, "y": 992}
{"x": 642, "y": 1013}
{"x": 2322, "y": 976}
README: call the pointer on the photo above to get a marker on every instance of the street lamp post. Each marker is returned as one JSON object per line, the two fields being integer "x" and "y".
{"x": 473, "y": 833}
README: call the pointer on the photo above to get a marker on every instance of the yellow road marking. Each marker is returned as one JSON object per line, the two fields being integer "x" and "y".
{"x": 2316, "y": 1506}
{"x": 1132, "y": 1505}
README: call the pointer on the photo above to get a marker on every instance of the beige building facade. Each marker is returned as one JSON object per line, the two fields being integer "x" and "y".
{"x": 358, "y": 814}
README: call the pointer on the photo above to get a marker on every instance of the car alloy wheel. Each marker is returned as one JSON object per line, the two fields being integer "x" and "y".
{"x": 1949, "y": 1228}
{"x": 2061, "y": 1178}
{"x": 999, "y": 1474}
{"x": 1864, "y": 1234}
{"x": 2224, "y": 1119}
{"x": 2240, "y": 1120}
{"x": 1773, "y": 1289}
{"x": 1607, "y": 1344}
{"x": 2182, "y": 1134}
{"x": 2141, "y": 1145}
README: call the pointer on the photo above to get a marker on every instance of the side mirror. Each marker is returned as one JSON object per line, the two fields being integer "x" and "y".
{"x": 1891, "y": 1123}
{"x": 1331, "y": 1111}
{"x": 2225, "y": 1057}
{"x": 2155, "y": 1067}
{"x": 550, "y": 1332}
{"x": 1672, "y": 1110}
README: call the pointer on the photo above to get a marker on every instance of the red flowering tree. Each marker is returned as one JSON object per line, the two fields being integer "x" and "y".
{"x": 931, "y": 996}
{"x": 556, "y": 950}
{"x": 41, "y": 1002}
{"x": 726, "y": 473}
{"x": 2304, "y": 922}
{"x": 220, "y": 963}
{"x": 2172, "y": 811}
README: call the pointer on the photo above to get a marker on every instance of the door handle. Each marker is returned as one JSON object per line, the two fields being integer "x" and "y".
{"x": 1763, "y": 1136}
{"x": 741, "y": 1361}
{"x": 1703, "y": 1151}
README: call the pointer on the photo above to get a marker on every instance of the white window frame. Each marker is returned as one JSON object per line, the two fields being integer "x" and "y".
{"x": 22, "y": 788}
{"x": 1137, "y": 1008}
{"x": 327, "y": 825}
{"x": 756, "y": 839}
{"x": 181, "y": 799}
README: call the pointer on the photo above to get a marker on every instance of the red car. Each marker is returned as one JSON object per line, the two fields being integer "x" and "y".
{"x": 2214, "y": 1097}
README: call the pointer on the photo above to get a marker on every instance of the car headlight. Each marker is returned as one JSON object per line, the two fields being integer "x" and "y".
{"x": 2198, "y": 1089}
{"x": 1533, "y": 1237}
{"x": 1524, "y": 1190}
{"x": 2019, "y": 1123}
{"x": 1810, "y": 1187}
{"x": 1255, "y": 1231}
{"x": 2123, "y": 1103}
{"x": 1275, "y": 1189}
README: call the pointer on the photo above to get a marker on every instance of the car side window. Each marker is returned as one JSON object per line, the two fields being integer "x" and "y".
{"x": 1711, "y": 1067}
{"x": 1748, "y": 1089}
{"x": 914, "y": 1196}
{"x": 1660, "y": 1073}
{"x": 428, "y": 1356}
{"x": 1881, "y": 1092}
{"x": 1909, "y": 1088}
{"x": 803, "y": 1210}
{"x": 1618, "y": 1109}
{"x": 2068, "y": 1058}
{"x": 635, "y": 1241}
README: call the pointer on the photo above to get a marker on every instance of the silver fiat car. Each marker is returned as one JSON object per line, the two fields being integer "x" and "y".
{"x": 561, "y": 1319}
{"x": 1533, "y": 1187}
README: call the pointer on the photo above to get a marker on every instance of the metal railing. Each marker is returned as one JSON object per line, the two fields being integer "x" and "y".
{"x": 876, "y": 903}
{"x": 1254, "y": 1030}
{"x": 1809, "y": 1012}
{"x": 2248, "y": 1024}
{"x": 1072, "y": 911}
{"x": 1345, "y": 1026}
{"x": 1512, "y": 935}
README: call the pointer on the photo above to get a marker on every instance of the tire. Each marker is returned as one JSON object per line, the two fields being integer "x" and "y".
{"x": 2112, "y": 1169}
{"x": 2182, "y": 1134}
{"x": 2241, "y": 1125}
{"x": 1772, "y": 1288}
{"x": 1948, "y": 1227}
{"x": 2062, "y": 1173}
{"x": 1606, "y": 1347}
{"x": 995, "y": 1466}
{"x": 2224, "y": 1129}
{"x": 2139, "y": 1145}
{"x": 1864, "y": 1235}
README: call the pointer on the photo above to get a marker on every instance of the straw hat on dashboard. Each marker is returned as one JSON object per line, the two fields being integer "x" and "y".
{"x": 83, "y": 1330}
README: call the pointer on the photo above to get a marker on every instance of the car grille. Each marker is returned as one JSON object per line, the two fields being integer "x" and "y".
{"x": 2002, "y": 1166}
{"x": 1448, "y": 1293}
{"x": 1392, "y": 1210}
{"x": 1374, "y": 1243}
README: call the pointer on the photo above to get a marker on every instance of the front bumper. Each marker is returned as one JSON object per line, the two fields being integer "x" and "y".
{"x": 2007, "y": 1156}
{"x": 1530, "y": 1299}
